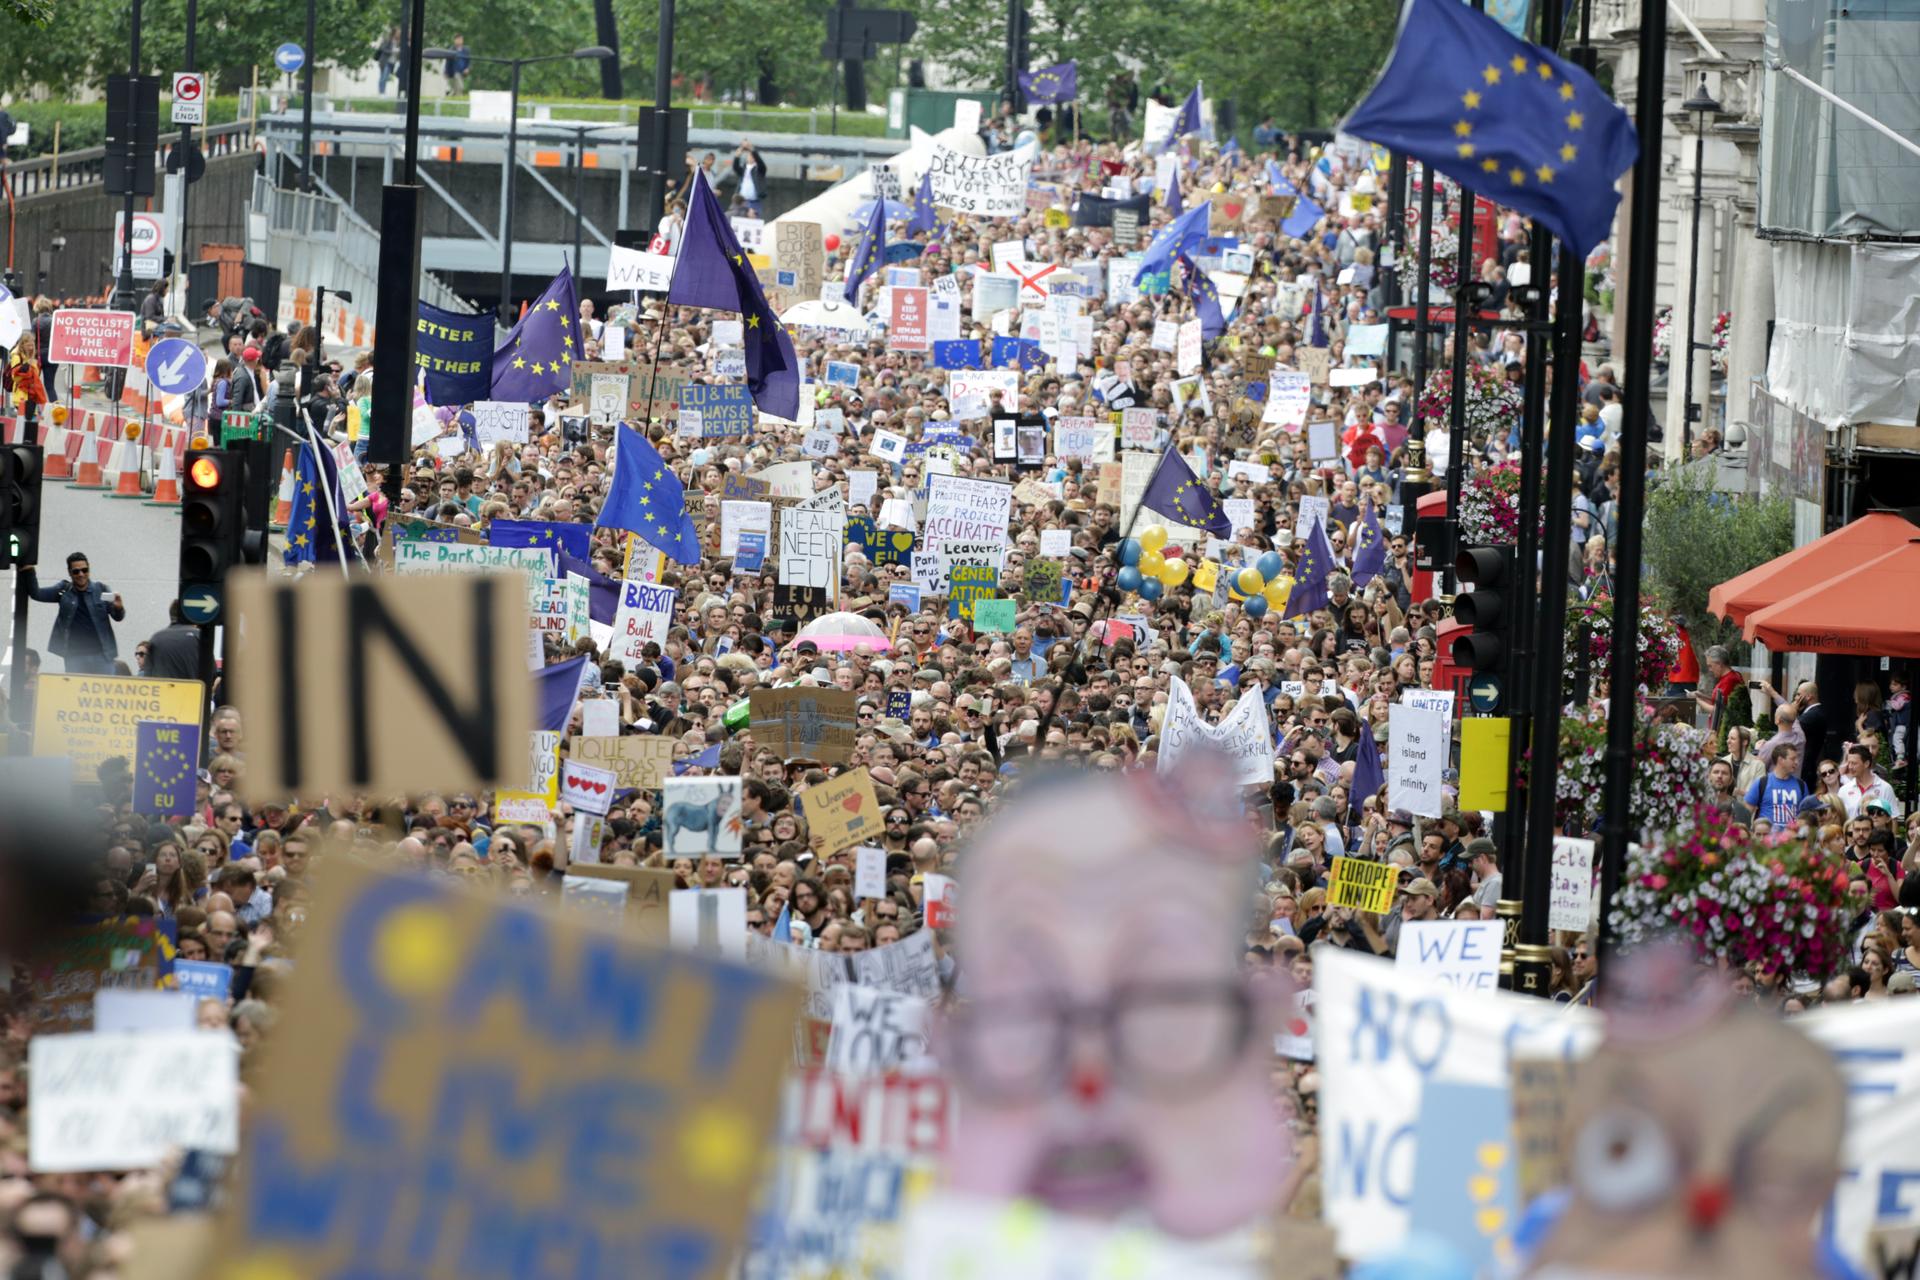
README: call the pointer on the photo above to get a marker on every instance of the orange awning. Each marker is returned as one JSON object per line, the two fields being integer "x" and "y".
{"x": 1821, "y": 560}
{"x": 1872, "y": 611}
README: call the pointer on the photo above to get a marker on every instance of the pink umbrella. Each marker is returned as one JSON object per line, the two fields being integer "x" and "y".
{"x": 842, "y": 632}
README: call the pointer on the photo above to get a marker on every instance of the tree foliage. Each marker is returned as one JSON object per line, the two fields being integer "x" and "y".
{"x": 1695, "y": 539}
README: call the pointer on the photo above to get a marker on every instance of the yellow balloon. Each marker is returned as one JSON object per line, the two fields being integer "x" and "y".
{"x": 1249, "y": 581}
{"x": 1152, "y": 563}
{"x": 1277, "y": 592}
{"x": 1152, "y": 538}
{"x": 1175, "y": 573}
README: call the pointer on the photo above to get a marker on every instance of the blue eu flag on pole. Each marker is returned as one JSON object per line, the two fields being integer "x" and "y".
{"x": 536, "y": 360}
{"x": 311, "y": 535}
{"x": 922, "y": 222}
{"x": 1305, "y": 216}
{"x": 647, "y": 498}
{"x": 1176, "y": 204}
{"x": 574, "y": 539}
{"x": 1369, "y": 549}
{"x": 956, "y": 353}
{"x": 1178, "y": 236}
{"x": 866, "y": 253}
{"x": 555, "y": 690}
{"x": 1368, "y": 774}
{"x": 1057, "y": 83}
{"x": 1503, "y": 117}
{"x": 1189, "y": 119}
{"x": 1205, "y": 297}
{"x": 712, "y": 271}
{"x": 1176, "y": 493}
{"x": 1310, "y": 590}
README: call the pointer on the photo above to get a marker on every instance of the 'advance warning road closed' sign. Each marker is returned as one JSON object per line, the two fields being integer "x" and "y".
{"x": 89, "y": 719}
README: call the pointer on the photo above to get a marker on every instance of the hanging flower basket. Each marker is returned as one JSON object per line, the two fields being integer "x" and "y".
{"x": 1669, "y": 769}
{"x": 1490, "y": 506}
{"x": 1662, "y": 335}
{"x": 1659, "y": 644}
{"x": 1493, "y": 403}
{"x": 1778, "y": 908}
{"x": 1722, "y": 329}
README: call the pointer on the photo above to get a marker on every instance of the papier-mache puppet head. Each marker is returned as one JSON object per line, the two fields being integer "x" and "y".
{"x": 1703, "y": 1136}
{"x": 1112, "y": 1051}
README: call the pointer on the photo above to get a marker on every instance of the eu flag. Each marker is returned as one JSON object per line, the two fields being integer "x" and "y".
{"x": 1176, "y": 493}
{"x": 1018, "y": 353}
{"x": 1205, "y": 297}
{"x": 1369, "y": 549}
{"x": 957, "y": 353}
{"x": 1368, "y": 775}
{"x": 1310, "y": 590}
{"x": 574, "y": 539}
{"x": 311, "y": 535}
{"x": 1188, "y": 121}
{"x": 712, "y": 272}
{"x": 1057, "y": 83}
{"x": 536, "y": 360}
{"x": 646, "y": 498}
{"x": 1183, "y": 233}
{"x": 1317, "y": 327}
{"x": 1504, "y": 117}
{"x": 555, "y": 690}
{"x": 603, "y": 593}
{"x": 1176, "y": 203}
{"x": 922, "y": 222}
{"x": 1305, "y": 216}
{"x": 865, "y": 259}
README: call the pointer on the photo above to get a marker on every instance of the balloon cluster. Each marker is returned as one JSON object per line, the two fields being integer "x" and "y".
{"x": 1148, "y": 565}
{"x": 1265, "y": 585}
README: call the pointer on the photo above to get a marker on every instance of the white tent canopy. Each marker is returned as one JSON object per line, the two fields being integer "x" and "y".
{"x": 833, "y": 208}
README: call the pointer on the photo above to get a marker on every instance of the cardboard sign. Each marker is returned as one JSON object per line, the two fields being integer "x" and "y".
{"x": 76, "y": 962}
{"x": 1570, "y": 884}
{"x": 89, "y": 719}
{"x": 644, "y": 616}
{"x": 843, "y": 811}
{"x": 804, "y": 723}
{"x": 125, "y": 1099}
{"x": 638, "y": 761}
{"x": 670, "y": 1059}
{"x": 647, "y": 892}
{"x": 382, "y": 684}
{"x": 1417, "y": 752}
{"x": 1454, "y": 953}
{"x": 587, "y": 788}
{"x": 1362, "y": 884}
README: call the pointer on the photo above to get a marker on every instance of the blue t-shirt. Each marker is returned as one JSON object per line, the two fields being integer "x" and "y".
{"x": 1776, "y": 799}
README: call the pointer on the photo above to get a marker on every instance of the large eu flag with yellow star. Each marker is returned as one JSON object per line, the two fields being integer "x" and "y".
{"x": 711, "y": 271}
{"x": 1312, "y": 575}
{"x": 1176, "y": 493}
{"x": 1057, "y": 83}
{"x": 1502, "y": 117}
{"x": 311, "y": 532}
{"x": 536, "y": 360}
{"x": 648, "y": 499}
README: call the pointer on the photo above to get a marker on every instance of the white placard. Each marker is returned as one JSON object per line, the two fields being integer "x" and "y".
{"x": 869, "y": 872}
{"x": 992, "y": 186}
{"x": 1289, "y": 398}
{"x": 630, "y": 269}
{"x": 1323, "y": 441}
{"x": 116, "y": 1009}
{"x": 1440, "y": 700}
{"x": 1454, "y": 953}
{"x": 588, "y": 788}
{"x": 888, "y": 446}
{"x": 875, "y": 1031}
{"x": 811, "y": 541}
{"x": 1570, "y": 884}
{"x": 861, "y": 486}
{"x": 124, "y": 1099}
{"x": 1166, "y": 335}
{"x": 1190, "y": 348}
{"x": 606, "y": 399}
{"x": 644, "y": 616}
{"x": 709, "y": 921}
{"x": 599, "y": 717}
{"x": 1416, "y": 760}
{"x": 1314, "y": 508}
{"x": 1359, "y": 377}
{"x": 499, "y": 420}
{"x": 1056, "y": 544}
{"x": 1243, "y": 735}
{"x": 1241, "y": 512}
{"x": 743, "y": 515}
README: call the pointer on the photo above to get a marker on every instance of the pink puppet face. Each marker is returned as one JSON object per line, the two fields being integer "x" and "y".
{"x": 1113, "y": 1052}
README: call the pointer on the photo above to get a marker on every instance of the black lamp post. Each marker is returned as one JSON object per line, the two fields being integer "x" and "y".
{"x": 1701, "y": 105}
{"x": 593, "y": 51}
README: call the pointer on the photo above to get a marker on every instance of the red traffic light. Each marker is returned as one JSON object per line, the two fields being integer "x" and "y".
{"x": 204, "y": 473}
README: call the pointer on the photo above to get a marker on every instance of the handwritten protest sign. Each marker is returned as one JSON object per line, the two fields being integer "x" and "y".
{"x": 811, "y": 540}
{"x": 110, "y": 955}
{"x": 638, "y": 760}
{"x": 992, "y": 186}
{"x": 725, "y": 409}
{"x": 644, "y": 614}
{"x": 994, "y": 615}
{"x": 1454, "y": 953}
{"x": 875, "y": 1032}
{"x": 1243, "y": 735}
{"x": 967, "y": 585}
{"x": 1362, "y": 885}
{"x": 843, "y": 811}
{"x": 410, "y": 1059}
{"x": 1087, "y": 439}
{"x": 1417, "y": 752}
{"x": 805, "y": 723}
{"x": 497, "y": 420}
{"x": 125, "y": 1099}
{"x": 1570, "y": 884}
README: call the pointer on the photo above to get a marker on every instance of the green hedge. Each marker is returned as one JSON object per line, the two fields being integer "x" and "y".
{"x": 745, "y": 119}
{"x": 84, "y": 124}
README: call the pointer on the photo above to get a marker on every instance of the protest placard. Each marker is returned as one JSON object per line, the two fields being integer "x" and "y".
{"x": 126, "y": 1099}
{"x": 1570, "y": 884}
{"x": 992, "y": 186}
{"x": 805, "y": 723}
{"x": 643, "y": 616}
{"x": 1056, "y": 544}
{"x": 200, "y": 978}
{"x": 960, "y": 509}
{"x": 1139, "y": 428}
{"x": 1041, "y": 580}
{"x": 907, "y": 318}
{"x": 639, "y": 761}
{"x": 967, "y": 585}
{"x": 1189, "y": 348}
{"x": 1417, "y": 752}
{"x": 607, "y": 403}
{"x": 701, "y": 817}
{"x": 400, "y": 995}
{"x": 634, "y": 269}
{"x": 78, "y": 960}
{"x": 741, "y": 516}
{"x": 800, "y": 247}
{"x": 647, "y": 892}
{"x": 588, "y": 788}
{"x": 869, "y": 872}
{"x": 1454, "y": 953}
{"x": 724, "y": 409}
{"x": 994, "y": 616}
{"x": 90, "y": 719}
{"x": 604, "y": 898}
{"x": 971, "y": 392}
{"x": 940, "y": 895}
{"x": 417, "y": 557}
{"x": 1243, "y": 735}
{"x": 1289, "y": 400}
{"x": 543, "y": 765}
{"x": 1085, "y": 439}
{"x": 165, "y": 758}
{"x": 811, "y": 540}
{"x": 497, "y": 420}
{"x": 426, "y": 656}
{"x": 1362, "y": 884}
{"x": 875, "y": 1032}
{"x": 843, "y": 811}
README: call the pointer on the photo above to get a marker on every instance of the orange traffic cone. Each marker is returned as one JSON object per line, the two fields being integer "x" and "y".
{"x": 124, "y": 465}
{"x": 283, "y": 502}
{"x": 166, "y": 476}
{"x": 89, "y": 474}
{"x": 55, "y": 465}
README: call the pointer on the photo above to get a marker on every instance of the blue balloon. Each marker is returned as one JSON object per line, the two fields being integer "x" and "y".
{"x": 1130, "y": 550}
{"x": 1151, "y": 589}
{"x": 1255, "y": 607}
{"x": 1130, "y": 579}
{"x": 1271, "y": 565}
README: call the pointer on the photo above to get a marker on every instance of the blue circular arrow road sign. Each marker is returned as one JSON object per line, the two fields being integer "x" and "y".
{"x": 289, "y": 57}
{"x": 176, "y": 366}
{"x": 1483, "y": 695}
{"x": 200, "y": 606}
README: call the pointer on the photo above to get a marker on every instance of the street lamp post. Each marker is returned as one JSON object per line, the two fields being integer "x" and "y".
{"x": 1701, "y": 105}
{"x": 596, "y": 52}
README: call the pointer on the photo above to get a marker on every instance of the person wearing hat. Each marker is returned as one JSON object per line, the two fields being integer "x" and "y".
{"x": 1484, "y": 861}
{"x": 1419, "y": 900}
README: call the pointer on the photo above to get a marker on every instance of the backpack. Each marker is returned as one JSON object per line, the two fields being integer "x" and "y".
{"x": 274, "y": 351}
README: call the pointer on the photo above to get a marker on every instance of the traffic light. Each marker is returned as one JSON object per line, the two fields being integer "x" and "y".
{"x": 212, "y": 520}
{"x": 1488, "y": 609}
{"x": 20, "y": 473}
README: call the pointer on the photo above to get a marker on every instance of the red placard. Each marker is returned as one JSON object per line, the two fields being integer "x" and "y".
{"x": 81, "y": 336}
{"x": 907, "y": 326}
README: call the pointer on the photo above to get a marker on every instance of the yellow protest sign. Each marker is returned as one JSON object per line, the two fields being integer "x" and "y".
{"x": 843, "y": 811}
{"x": 598, "y": 1098}
{"x": 1484, "y": 744}
{"x": 89, "y": 719}
{"x": 1056, "y": 219}
{"x": 1362, "y": 884}
{"x": 1206, "y": 575}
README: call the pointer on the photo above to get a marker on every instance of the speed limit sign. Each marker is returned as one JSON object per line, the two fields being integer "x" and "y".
{"x": 189, "y": 97}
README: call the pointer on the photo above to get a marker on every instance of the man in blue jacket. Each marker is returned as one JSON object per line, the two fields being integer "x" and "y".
{"x": 83, "y": 633}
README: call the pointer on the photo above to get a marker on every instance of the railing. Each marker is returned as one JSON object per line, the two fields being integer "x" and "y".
{"x": 86, "y": 167}
{"x": 318, "y": 239}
